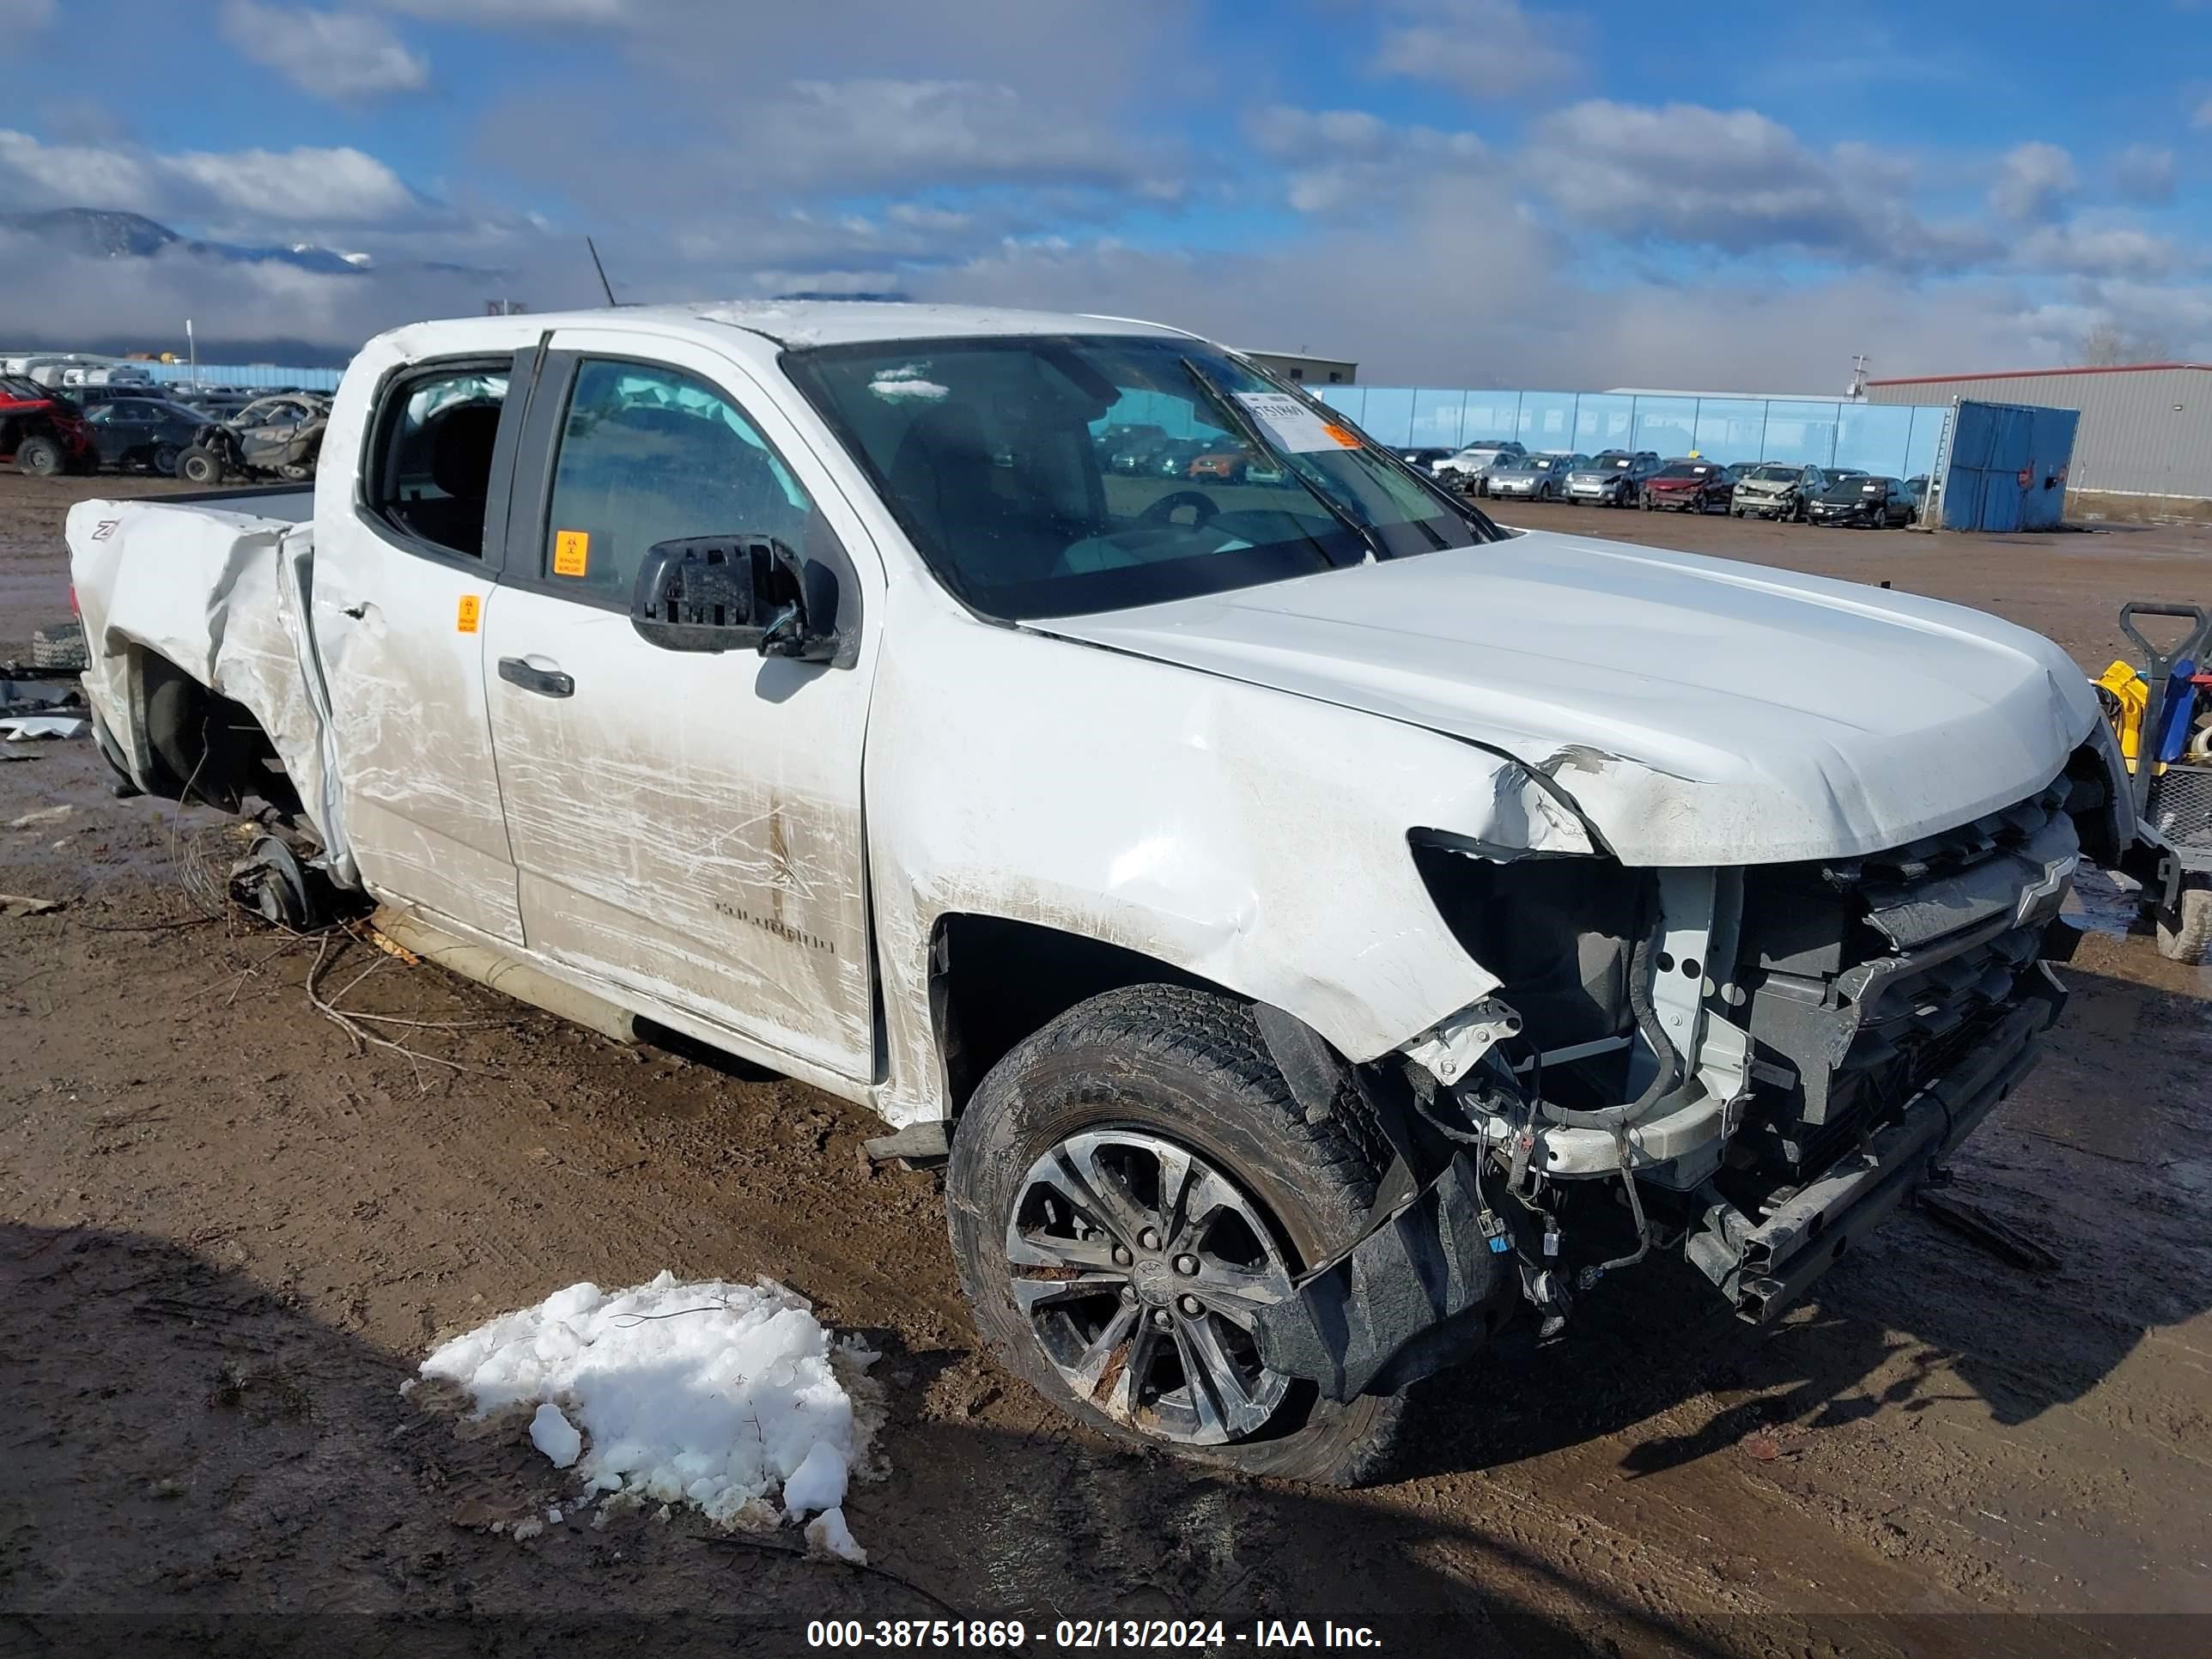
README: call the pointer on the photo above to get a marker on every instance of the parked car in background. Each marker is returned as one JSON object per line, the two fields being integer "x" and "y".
{"x": 1688, "y": 486}
{"x": 1172, "y": 459}
{"x": 1535, "y": 478}
{"x": 41, "y": 431}
{"x": 1424, "y": 458}
{"x": 1226, "y": 462}
{"x": 1777, "y": 489}
{"x": 1611, "y": 477}
{"x": 1469, "y": 468}
{"x": 1869, "y": 502}
{"x": 1916, "y": 488}
{"x": 147, "y": 433}
{"x": 278, "y": 437}
{"x": 1134, "y": 454}
{"x": 89, "y": 397}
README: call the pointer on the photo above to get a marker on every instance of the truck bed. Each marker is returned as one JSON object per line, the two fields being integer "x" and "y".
{"x": 214, "y": 585}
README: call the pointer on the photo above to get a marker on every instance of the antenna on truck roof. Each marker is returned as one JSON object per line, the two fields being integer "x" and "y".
{"x": 602, "y": 270}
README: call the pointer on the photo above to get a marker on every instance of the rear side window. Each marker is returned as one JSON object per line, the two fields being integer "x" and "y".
{"x": 651, "y": 453}
{"x": 435, "y": 433}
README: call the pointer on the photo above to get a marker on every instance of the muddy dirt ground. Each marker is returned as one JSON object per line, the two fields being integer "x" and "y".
{"x": 226, "y": 1239}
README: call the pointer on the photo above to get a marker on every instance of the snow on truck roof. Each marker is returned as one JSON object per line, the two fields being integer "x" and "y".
{"x": 802, "y": 323}
{"x": 851, "y": 322}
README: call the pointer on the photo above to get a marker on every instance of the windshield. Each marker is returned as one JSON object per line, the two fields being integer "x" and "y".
{"x": 1851, "y": 489}
{"x": 1686, "y": 470}
{"x": 993, "y": 455}
{"x": 1776, "y": 474}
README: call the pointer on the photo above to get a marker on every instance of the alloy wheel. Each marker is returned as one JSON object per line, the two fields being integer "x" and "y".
{"x": 1139, "y": 1267}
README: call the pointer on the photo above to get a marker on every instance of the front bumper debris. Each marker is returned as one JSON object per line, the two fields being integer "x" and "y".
{"x": 1412, "y": 1297}
{"x": 1762, "y": 1267}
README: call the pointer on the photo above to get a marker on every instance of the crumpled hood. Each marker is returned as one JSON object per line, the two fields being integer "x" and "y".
{"x": 1699, "y": 711}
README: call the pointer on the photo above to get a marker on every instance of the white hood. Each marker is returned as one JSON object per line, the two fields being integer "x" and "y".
{"x": 1698, "y": 710}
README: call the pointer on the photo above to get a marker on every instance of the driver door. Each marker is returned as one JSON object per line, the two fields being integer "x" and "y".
{"x": 686, "y": 827}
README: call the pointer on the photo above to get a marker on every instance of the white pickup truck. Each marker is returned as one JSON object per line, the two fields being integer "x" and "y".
{"x": 1317, "y": 924}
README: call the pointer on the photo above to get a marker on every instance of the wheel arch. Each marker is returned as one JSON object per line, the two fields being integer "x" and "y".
{"x": 995, "y": 980}
{"x": 194, "y": 743}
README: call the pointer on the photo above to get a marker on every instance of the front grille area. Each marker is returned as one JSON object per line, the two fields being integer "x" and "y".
{"x": 1863, "y": 980}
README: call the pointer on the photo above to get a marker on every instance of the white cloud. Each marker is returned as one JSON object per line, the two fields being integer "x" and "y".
{"x": 1347, "y": 158}
{"x": 2034, "y": 182}
{"x": 2144, "y": 173}
{"x": 1521, "y": 310}
{"x": 331, "y": 54}
{"x": 20, "y": 18}
{"x": 1732, "y": 179}
{"x": 278, "y": 188}
{"x": 1486, "y": 48}
{"x": 315, "y": 186}
{"x": 2201, "y": 117}
{"x": 525, "y": 12}
{"x": 35, "y": 174}
{"x": 2092, "y": 248}
{"x": 868, "y": 132}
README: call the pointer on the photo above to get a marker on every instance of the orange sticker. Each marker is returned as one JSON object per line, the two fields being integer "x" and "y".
{"x": 470, "y": 613}
{"x": 572, "y": 550}
{"x": 1342, "y": 435}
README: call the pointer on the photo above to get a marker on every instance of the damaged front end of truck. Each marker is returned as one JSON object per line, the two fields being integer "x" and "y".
{"x": 1753, "y": 1066}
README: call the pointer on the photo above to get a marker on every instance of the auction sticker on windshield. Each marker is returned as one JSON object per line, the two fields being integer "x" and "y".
{"x": 1291, "y": 426}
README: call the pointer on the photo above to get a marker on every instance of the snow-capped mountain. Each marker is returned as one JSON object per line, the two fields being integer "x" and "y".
{"x": 102, "y": 234}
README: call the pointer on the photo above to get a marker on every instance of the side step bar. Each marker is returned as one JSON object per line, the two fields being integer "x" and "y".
{"x": 1763, "y": 1267}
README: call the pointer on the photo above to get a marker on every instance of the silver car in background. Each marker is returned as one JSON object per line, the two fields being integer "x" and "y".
{"x": 1777, "y": 489}
{"x": 1535, "y": 478}
{"x": 1611, "y": 477}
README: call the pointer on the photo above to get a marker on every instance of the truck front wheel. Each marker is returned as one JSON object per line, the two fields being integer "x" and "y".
{"x": 1126, "y": 1186}
{"x": 199, "y": 465}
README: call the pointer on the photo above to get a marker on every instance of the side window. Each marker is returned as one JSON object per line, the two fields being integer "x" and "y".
{"x": 650, "y": 453}
{"x": 435, "y": 437}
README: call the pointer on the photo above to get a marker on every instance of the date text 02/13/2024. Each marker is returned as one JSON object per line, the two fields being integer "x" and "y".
{"x": 1085, "y": 1634}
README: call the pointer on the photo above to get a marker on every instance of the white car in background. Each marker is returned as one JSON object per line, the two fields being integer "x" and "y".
{"x": 1470, "y": 468}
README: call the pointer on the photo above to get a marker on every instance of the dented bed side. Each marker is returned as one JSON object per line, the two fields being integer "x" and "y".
{"x": 220, "y": 589}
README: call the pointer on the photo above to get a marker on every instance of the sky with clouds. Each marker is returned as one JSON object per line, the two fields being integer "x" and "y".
{"x": 1452, "y": 191}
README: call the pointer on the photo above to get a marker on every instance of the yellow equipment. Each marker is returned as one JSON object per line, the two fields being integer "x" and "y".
{"x": 2125, "y": 696}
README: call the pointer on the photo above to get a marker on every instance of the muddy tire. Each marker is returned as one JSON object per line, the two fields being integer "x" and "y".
{"x": 199, "y": 465}
{"x": 2184, "y": 933}
{"x": 1088, "y": 1130}
{"x": 39, "y": 456}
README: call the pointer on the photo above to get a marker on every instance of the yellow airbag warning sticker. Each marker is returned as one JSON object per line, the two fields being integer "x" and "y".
{"x": 470, "y": 613}
{"x": 572, "y": 551}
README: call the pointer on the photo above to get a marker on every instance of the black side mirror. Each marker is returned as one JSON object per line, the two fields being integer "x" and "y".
{"x": 727, "y": 593}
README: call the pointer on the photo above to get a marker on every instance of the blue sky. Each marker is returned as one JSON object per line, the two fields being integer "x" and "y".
{"x": 1453, "y": 191}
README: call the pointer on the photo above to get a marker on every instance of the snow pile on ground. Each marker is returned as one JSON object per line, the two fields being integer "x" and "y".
{"x": 706, "y": 1392}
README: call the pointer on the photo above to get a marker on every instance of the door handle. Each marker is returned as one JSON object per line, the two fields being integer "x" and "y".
{"x": 545, "y": 682}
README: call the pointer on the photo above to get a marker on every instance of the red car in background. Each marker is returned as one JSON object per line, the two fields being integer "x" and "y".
{"x": 42, "y": 432}
{"x": 1690, "y": 486}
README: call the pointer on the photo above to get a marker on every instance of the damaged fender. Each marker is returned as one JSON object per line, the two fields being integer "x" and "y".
{"x": 1251, "y": 837}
